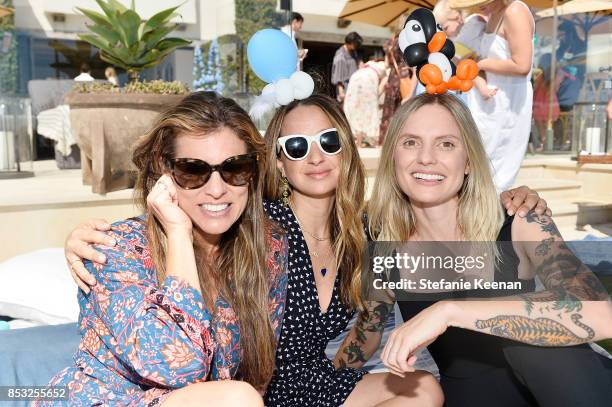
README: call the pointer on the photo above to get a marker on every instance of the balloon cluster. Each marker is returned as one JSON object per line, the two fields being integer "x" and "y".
{"x": 273, "y": 57}
{"x": 425, "y": 46}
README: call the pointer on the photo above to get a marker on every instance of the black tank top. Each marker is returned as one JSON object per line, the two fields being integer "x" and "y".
{"x": 464, "y": 353}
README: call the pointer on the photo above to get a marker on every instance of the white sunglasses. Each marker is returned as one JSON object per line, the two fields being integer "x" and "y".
{"x": 297, "y": 146}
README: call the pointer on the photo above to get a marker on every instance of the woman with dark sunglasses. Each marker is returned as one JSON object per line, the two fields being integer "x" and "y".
{"x": 314, "y": 188}
{"x": 188, "y": 305}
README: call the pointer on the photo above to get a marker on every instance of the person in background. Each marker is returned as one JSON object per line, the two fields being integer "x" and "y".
{"x": 297, "y": 20}
{"x": 345, "y": 63}
{"x": 506, "y": 54}
{"x": 541, "y": 97}
{"x": 571, "y": 55}
{"x": 111, "y": 75}
{"x": 398, "y": 72}
{"x": 362, "y": 104}
{"x": 465, "y": 32}
{"x": 85, "y": 75}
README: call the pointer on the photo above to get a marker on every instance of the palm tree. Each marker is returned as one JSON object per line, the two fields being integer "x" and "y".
{"x": 126, "y": 41}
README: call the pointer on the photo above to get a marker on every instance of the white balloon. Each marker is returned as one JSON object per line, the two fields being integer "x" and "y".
{"x": 441, "y": 61}
{"x": 303, "y": 85}
{"x": 268, "y": 89}
{"x": 284, "y": 91}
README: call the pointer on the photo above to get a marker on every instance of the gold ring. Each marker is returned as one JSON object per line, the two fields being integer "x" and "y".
{"x": 73, "y": 261}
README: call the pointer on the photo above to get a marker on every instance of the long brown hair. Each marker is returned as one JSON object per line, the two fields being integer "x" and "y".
{"x": 239, "y": 270}
{"x": 346, "y": 222}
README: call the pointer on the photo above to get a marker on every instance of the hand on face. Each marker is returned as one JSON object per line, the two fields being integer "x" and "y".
{"x": 163, "y": 202}
{"x": 215, "y": 206}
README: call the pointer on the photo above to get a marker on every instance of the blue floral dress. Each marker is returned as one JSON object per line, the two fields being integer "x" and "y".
{"x": 141, "y": 340}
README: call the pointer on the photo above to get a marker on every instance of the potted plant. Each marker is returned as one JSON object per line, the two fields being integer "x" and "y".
{"x": 106, "y": 120}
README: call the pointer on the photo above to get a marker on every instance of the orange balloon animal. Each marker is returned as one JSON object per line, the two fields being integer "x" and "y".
{"x": 431, "y": 76}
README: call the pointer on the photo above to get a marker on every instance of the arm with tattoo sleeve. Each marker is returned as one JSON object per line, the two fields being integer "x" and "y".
{"x": 574, "y": 308}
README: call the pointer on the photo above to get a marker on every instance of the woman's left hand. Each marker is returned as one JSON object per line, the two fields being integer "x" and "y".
{"x": 421, "y": 330}
{"x": 523, "y": 199}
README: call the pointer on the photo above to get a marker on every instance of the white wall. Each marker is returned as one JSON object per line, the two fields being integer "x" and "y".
{"x": 183, "y": 66}
{"x": 217, "y": 18}
{"x": 37, "y": 15}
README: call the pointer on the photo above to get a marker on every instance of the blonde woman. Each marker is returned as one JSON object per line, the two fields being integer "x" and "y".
{"x": 434, "y": 184}
{"x": 191, "y": 295}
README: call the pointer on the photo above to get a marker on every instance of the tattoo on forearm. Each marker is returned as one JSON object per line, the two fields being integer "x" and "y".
{"x": 366, "y": 325}
{"x": 539, "y": 331}
{"x": 544, "y": 247}
{"x": 354, "y": 353}
{"x": 567, "y": 280}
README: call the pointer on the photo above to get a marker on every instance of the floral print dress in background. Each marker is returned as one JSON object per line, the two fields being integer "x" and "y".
{"x": 140, "y": 339}
{"x": 362, "y": 103}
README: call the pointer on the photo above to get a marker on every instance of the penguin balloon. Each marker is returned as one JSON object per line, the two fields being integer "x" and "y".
{"x": 425, "y": 46}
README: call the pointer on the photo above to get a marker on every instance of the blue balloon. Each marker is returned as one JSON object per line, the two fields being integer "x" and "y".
{"x": 272, "y": 55}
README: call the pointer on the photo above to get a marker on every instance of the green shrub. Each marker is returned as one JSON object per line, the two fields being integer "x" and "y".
{"x": 157, "y": 87}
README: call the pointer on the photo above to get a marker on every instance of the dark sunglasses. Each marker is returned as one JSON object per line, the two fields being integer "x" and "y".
{"x": 191, "y": 173}
{"x": 297, "y": 146}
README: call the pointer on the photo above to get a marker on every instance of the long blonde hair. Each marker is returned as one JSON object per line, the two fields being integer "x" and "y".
{"x": 390, "y": 213}
{"x": 346, "y": 222}
{"x": 239, "y": 270}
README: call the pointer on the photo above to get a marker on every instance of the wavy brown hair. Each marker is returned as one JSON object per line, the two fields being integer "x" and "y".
{"x": 239, "y": 270}
{"x": 346, "y": 221}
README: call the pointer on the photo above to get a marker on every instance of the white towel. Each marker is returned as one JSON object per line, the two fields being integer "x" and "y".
{"x": 54, "y": 124}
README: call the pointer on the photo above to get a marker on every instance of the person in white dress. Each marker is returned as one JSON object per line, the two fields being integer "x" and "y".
{"x": 506, "y": 55}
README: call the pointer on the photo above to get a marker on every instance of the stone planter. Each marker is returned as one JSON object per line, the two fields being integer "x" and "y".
{"x": 106, "y": 126}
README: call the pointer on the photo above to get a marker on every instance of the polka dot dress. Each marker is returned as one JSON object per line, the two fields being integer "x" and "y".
{"x": 304, "y": 375}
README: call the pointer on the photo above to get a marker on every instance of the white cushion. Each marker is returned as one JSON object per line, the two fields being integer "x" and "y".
{"x": 37, "y": 286}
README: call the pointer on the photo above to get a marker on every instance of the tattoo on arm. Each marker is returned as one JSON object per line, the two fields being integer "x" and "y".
{"x": 568, "y": 282}
{"x": 538, "y": 331}
{"x": 368, "y": 327}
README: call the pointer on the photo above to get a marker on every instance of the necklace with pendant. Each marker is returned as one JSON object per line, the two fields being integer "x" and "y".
{"x": 314, "y": 253}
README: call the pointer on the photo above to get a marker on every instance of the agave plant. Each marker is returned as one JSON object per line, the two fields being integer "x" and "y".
{"x": 126, "y": 41}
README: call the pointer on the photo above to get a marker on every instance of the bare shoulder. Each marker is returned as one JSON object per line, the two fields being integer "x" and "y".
{"x": 518, "y": 14}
